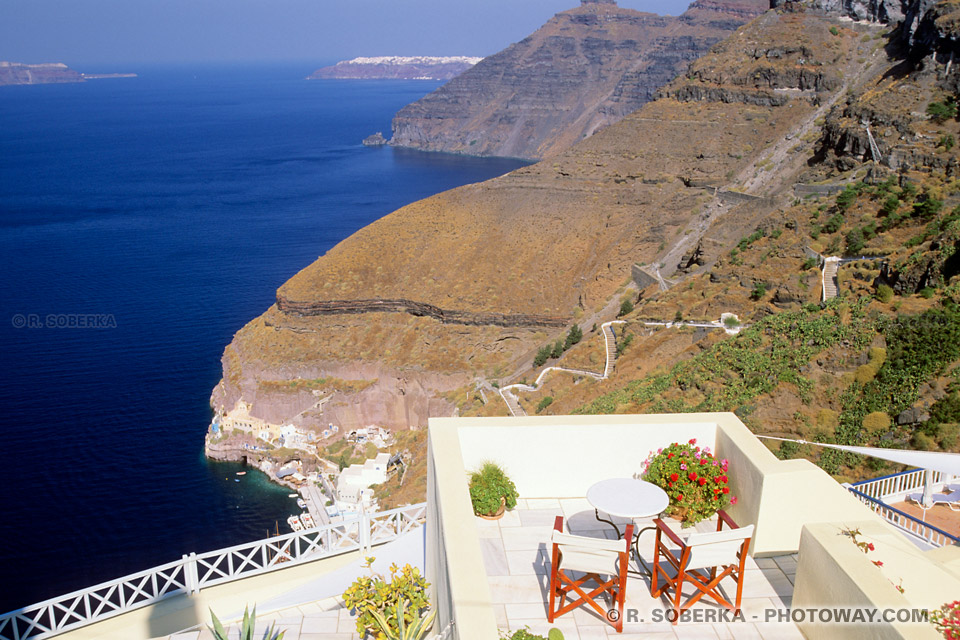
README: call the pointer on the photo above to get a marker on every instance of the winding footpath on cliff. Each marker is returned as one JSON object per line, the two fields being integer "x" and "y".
{"x": 610, "y": 351}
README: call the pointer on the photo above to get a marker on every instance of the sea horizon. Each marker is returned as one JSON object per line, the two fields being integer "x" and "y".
{"x": 142, "y": 223}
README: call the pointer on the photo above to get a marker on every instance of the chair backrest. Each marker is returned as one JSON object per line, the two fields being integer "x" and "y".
{"x": 716, "y": 548}
{"x": 583, "y": 542}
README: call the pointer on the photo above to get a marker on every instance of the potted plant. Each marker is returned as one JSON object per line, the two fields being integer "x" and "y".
{"x": 491, "y": 491}
{"x": 246, "y": 628}
{"x": 385, "y": 607}
{"x": 696, "y": 482}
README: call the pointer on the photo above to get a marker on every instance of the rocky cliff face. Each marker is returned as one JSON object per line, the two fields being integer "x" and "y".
{"x": 584, "y": 70}
{"x": 17, "y": 73}
{"x": 479, "y": 277}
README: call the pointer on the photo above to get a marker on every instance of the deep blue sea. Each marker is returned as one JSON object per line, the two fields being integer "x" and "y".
{"x": 167, "y": 209}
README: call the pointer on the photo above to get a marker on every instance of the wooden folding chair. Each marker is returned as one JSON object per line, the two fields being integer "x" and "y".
{"x": 593, "y": 557}
{"x": 723, "y": 550}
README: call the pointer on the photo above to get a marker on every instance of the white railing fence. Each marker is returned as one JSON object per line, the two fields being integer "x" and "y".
{"x": 896, "y": 487}
{"x": 928, "y": 533}
{"x": 196, "y": 571}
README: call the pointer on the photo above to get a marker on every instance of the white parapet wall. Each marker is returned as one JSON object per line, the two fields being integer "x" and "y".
{"x": 833, "y": 572}
{"x": 561, "y": 456}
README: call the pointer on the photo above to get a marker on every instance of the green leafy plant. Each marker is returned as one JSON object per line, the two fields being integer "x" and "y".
{"x": 625, "y": 307}
{"x": 574, "y": 336}
{"x": 489, "y": 488}
{"x": 695, "y": 481}
{"x": 403, "y": 596}
{"x": 543, "y": 404}
{"x": 415, "y": 631}
{"x": 942, "y": 111}
{"x": 623, "y": 343}
{"x": 543, "y": 354}
{"x": 246, "y": 627}
{"x": 526, "y": 634}
{"x": 884, "y": 293}
{"x": 557, "y": 349}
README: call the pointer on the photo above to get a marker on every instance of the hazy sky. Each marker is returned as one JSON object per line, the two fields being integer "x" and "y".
{"x": 125, "y": 32}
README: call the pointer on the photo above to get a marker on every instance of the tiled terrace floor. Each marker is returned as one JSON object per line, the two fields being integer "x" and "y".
{"x": 517, "y": 558}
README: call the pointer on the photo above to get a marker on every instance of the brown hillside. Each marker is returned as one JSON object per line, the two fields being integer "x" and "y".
{"x": 464, "y": 286}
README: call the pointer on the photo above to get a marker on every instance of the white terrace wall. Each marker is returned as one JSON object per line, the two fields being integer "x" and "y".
{"x": 833, "y": 572}
{"x": 779, "y": 496}
{"x": 561, "y": 456}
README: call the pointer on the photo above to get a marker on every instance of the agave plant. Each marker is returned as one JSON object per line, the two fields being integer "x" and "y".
{"x": 417, "y": 630}
{"x": 246, "y": 627}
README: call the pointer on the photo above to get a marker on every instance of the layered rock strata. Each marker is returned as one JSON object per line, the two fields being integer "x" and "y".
{"x": 554, "y": 241}
{"x": 583, "y": 70}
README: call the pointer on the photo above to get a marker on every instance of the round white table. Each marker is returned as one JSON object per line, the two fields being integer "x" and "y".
{"x": 628, "y": 498}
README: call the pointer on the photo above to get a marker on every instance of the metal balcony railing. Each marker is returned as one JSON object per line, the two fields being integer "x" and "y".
{"x": 196, "y": 571}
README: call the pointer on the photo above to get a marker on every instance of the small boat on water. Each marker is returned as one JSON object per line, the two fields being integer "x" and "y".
{"x": 293, "y": 495}
{"x": 307, "y": 520}
{"x": 241, "y": 473}
{"x": 301, "y": 503}
{"x": 295, "y": 523}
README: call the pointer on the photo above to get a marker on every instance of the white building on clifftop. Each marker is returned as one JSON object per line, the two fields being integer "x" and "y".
{"x": 353, "y": 485}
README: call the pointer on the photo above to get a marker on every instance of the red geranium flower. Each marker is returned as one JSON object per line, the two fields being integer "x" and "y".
{"x": 703, "y": 461}
{"x": 673, "y": 477}
{"x": 693, "y": 441}
{"x": 726, "y": 490}
{"x": 702, "y": 481}
{"x": 680, "y": 498}
{"x": 692, "y": 475}
{"x": 669, "y": 455}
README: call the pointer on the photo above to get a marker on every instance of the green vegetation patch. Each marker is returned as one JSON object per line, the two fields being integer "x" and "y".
{"x": 737, "y": 370}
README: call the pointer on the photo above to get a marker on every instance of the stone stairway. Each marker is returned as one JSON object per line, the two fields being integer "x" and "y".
{"x": 512, "y": 403}
{"x": 610, "y": 340}
{"x": 830, "y": 267}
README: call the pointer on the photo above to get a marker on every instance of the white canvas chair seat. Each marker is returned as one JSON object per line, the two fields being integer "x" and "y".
{"x": 592, "y": 557}
{"x": 589, "y": 555}
{"x": 703, "y": 560}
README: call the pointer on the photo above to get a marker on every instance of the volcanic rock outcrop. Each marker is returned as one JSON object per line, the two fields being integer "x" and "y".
{"x": 583, "y": 70}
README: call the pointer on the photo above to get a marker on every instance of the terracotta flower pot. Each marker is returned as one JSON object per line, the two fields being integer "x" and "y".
{"x": 499, "y": 513}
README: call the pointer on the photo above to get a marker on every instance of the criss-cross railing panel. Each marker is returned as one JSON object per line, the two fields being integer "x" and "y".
{"x": 196, "y": 571}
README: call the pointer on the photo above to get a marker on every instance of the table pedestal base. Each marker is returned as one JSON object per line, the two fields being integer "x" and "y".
{"x": 645, "y": 571}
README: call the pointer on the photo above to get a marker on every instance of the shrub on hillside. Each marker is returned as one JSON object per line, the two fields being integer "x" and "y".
{"x": 877, "y": 421}
{"x": 828, "y": 419}
{"x": 941, "y": 111}
{"x": 625, "y": 307}
{"x": 865, "y": 373}
{"x": 574, "y": 336}
{"x": 543, "y": 404}
{"x": 884, "y": 293}
{"x": 543, "y": 354}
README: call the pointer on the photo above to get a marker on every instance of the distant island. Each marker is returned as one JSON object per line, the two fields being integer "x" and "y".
{"x": 396, "y": 68}
{"x": 12, "y": 73}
